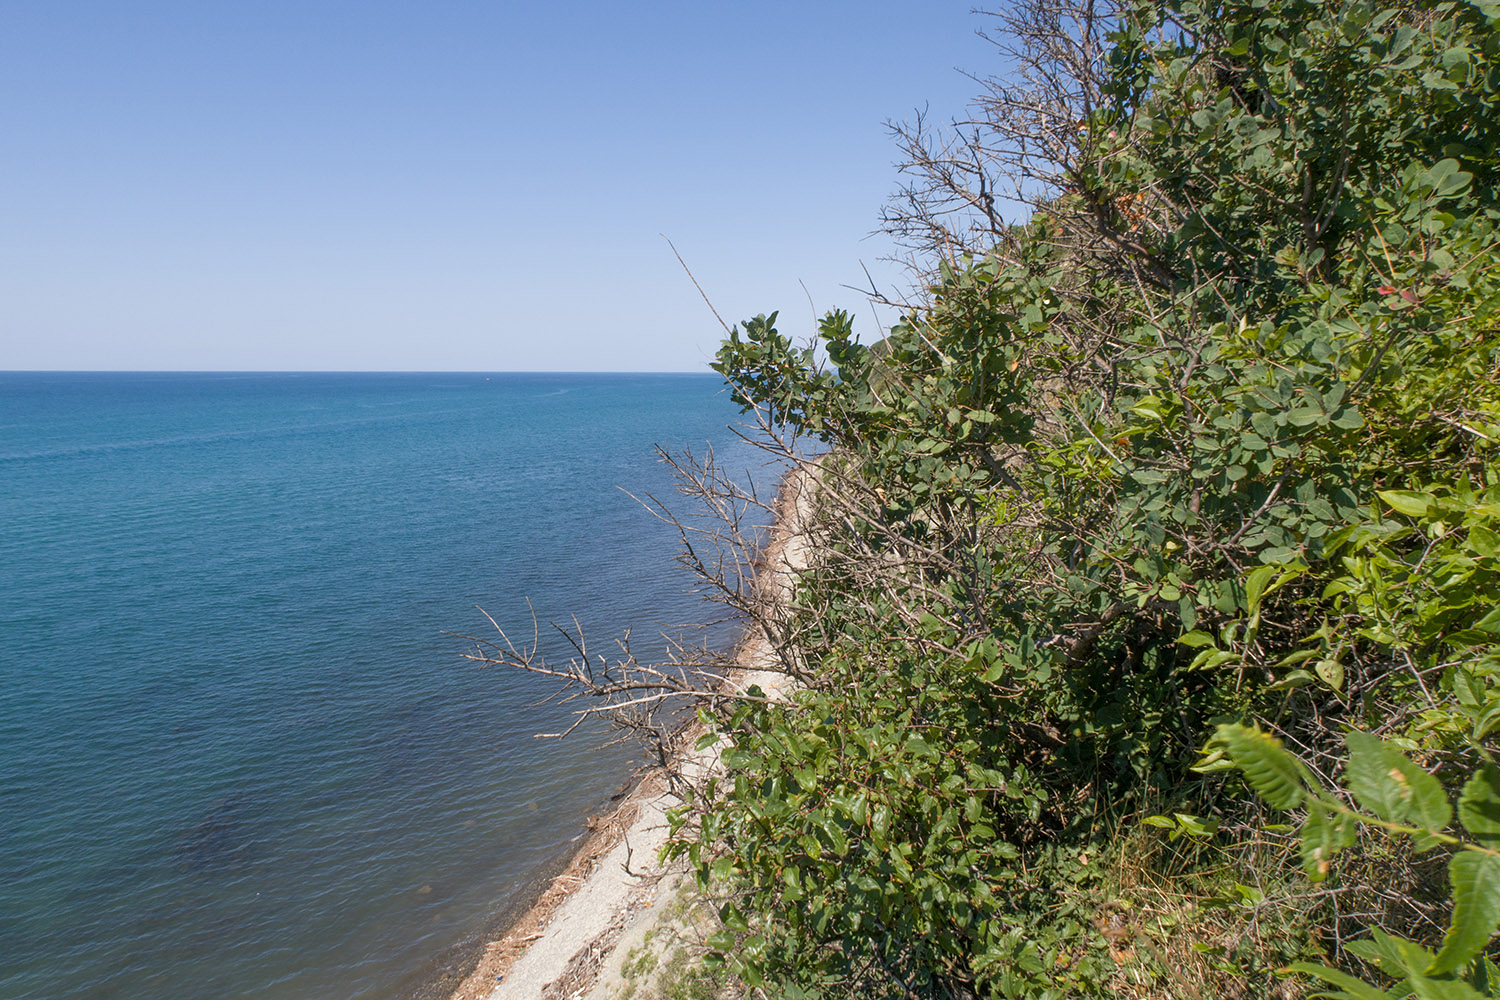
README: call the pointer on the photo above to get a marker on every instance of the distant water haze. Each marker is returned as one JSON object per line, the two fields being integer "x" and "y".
{"x": 239, "y": 757}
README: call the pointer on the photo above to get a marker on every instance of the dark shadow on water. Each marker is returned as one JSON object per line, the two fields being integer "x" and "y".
{"x": 220, "y": 842}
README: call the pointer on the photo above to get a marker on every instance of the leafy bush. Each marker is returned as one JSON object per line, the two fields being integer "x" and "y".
{"x": 1209, "y": 436}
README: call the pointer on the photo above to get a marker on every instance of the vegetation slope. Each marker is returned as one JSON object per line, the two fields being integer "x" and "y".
{"x": 1153, "y": 634}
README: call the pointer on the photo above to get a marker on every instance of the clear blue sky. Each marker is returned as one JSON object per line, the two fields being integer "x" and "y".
{"x": 446, "y": 185}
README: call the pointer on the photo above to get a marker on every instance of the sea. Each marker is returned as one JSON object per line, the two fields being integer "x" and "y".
{"x": 241, "y": 752}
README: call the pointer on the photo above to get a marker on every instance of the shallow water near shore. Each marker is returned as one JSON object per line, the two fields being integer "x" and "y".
{"x": 238, "y": 754}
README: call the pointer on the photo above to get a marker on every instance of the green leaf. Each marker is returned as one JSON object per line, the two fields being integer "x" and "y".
{"x": 1408, "y": 502}
{"x": 1275, "y": 774}
{"x": 1306, "y": 416}
{"x": 1331, "y": 672}
{"x": 1358, "y": 989}
{"x": 1255, "y": 586}
{"x": 1391, "y": 786}
{"x": 1490, "y": 622}
{"x": 1469, "y": 688}
{"x": 1479, "y": 806}
{"x": 1295, "y": 679}
{"x": 1348, "y": 419}
{"x": 1475, "y": 879}
{"x": 733, "y": 917}
{"x": 1210, "y": 658}
{"x": 1196, "y": 640}
{"x": 1150, "y": 406}
{"x": 1397, "y": 957}
{"x": 1371, "y": 952}
{"x": 1487, "y": 723}
{"x": 1193, "y": 826}
{"x": 1484, "y": 541}
{"x": 1441, "y": 989}
{"x": 1446, "y": 179}
{"x": 1489, "y": 8}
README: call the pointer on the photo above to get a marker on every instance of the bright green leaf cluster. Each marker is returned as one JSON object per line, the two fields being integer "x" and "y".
{"x": 1394, "y": 794}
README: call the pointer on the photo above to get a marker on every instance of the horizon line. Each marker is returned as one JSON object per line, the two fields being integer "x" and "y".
{"x": 351, "y": 371}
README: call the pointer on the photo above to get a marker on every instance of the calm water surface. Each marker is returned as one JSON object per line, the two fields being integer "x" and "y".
{"x": 238, "y": 754}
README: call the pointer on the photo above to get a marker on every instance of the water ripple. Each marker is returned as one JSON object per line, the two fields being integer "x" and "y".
{"x": 237, "y": 742}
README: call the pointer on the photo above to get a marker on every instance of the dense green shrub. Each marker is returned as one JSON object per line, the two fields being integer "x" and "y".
{"x": 1209, "y": 436}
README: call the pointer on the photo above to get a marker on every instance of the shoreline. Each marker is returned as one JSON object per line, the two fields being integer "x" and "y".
{"x": 512, "y": 932}
{"x": 448, "y": 974}
{"x": 569, "y": 939}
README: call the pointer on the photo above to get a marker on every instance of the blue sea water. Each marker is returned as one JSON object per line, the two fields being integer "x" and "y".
{"x": 239, "y": 756}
